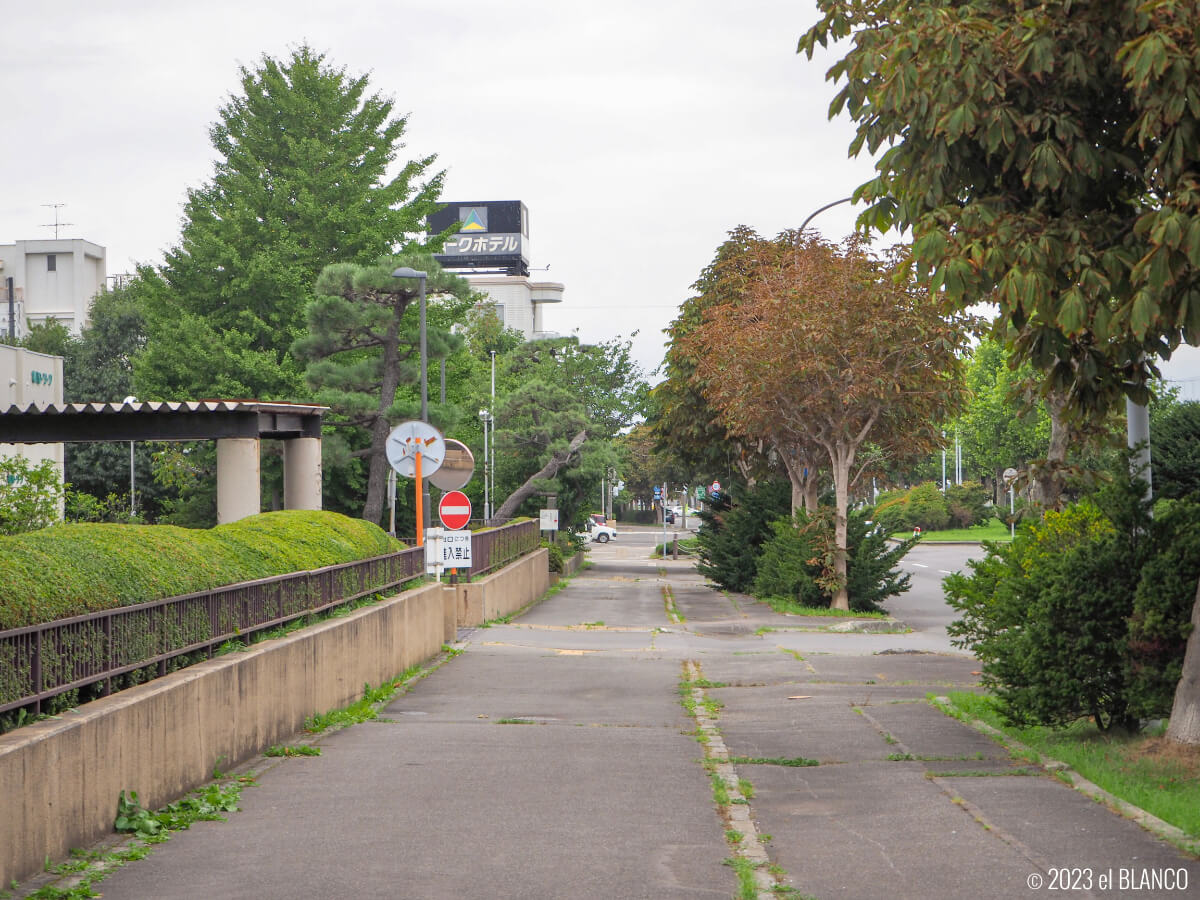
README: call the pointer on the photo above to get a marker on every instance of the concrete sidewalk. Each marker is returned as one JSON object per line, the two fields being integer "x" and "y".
{"x": 553, "y": 759}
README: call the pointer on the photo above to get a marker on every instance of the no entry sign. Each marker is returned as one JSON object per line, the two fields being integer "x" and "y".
{"x": 455, "y": 510}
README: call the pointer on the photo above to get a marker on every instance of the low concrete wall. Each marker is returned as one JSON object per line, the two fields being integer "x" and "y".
{"x": 573, "y": 563}
{"x": 504, "y": 592}
{"x": 60, "y": 779}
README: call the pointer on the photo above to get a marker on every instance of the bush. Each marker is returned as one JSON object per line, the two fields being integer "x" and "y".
{"x": 968, "y": 504}
{"x": 734, "y": 528}
{"x": 891, "y": 512}
{"x": 29, "y": 494}
{"x": 68, "y": 570}
{"x": 786, "y": 566}
{"x": 927, "y": 507}
{"x": 1086, "y": 613}
{"x": 1025, "y": 630}
{"x": 554, "y": 559}
{"x": 1160, "y": 622}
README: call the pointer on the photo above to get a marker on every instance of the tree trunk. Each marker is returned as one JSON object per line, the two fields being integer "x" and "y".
{"x": 841, "y": 488}
{"x": 377, "y": 468}
{"x": 1046, "y": 480}
{"x": 803, "y": 477}
{"x": 549, "y": 470}
{"x": 377, "y": 472}
{"x": 812, "y": 495}
{"x": 1185, "y": 712}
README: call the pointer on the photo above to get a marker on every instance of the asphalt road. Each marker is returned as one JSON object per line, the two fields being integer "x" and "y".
{"x": 923, "y": 606}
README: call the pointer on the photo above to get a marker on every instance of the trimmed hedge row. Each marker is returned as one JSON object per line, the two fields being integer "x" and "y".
{"x": 68, "y": 570}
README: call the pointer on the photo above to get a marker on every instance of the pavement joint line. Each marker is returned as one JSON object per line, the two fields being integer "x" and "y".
{"x": 995, "y": 830}
{"x": 737, "y": 814}
{"x": 1124, "y": 808}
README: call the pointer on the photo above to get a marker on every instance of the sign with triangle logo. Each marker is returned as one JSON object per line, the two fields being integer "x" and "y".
{"x": 473, "y": 218}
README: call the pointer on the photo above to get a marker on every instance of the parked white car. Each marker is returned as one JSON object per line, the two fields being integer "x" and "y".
{"x": 601, "y": 533}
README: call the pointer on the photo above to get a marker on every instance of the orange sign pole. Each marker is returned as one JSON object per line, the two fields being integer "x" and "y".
{"x": 420, "y": 510}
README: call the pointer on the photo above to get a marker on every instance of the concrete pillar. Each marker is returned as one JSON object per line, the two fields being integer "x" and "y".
{"x": 239, "y": 488}
{"x": 302, "y": 473}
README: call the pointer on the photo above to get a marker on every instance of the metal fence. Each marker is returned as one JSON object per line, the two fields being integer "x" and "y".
{"x": 39, "y": 662}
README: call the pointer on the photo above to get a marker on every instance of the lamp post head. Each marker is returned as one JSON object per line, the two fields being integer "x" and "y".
{"x": 409, "y": 272}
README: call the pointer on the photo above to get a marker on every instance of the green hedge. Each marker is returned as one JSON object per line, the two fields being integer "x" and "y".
{"x": 68, "y": 570}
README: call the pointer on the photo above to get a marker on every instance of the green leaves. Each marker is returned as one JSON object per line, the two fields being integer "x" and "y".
{"x": 1026, "y": 143}
{"x": 302, "y": 181}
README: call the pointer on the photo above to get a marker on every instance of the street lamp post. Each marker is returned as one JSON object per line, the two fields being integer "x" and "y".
{"x": 409, "y": 272}
{"x": 129, "y": 401}
{"x": 485, "y": 417}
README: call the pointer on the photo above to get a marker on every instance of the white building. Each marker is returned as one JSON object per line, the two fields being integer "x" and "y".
{"x": 51, "y": 279}
{"x": 491, "y": 251}
{"x": 28, "y": 378}
{"x": 519, "y": 302}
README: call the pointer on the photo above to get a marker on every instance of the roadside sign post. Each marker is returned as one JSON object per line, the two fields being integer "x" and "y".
{"x": 1010, "y": 478}
{"x": 455, "y": 510}
{"x": 433, "y": 552}
{"x": 664, "y": 512}
{"x": 416, "y": 450}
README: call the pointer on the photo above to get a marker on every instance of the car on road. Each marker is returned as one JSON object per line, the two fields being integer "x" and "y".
{"x": 601, "y": 533}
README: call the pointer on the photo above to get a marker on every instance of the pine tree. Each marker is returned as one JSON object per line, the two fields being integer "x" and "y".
{"x": 363, "y": 350}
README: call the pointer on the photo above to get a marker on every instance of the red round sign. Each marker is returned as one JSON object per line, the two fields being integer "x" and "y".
{"x": 455, "y": 510}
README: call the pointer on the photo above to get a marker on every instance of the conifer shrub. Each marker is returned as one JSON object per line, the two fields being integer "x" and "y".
{"x": 788, "y": 565}
{"x": 734, "y": 528}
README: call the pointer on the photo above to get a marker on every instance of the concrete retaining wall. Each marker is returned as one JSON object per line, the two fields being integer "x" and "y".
{"x": 504, "y": 592}
{"x": 60, "y": 779}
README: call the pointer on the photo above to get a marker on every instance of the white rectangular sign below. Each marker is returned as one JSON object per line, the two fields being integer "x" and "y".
{"x": 445, "y": 549}
{"x": 456, "y": 549}
{"x": 549, "y": 520}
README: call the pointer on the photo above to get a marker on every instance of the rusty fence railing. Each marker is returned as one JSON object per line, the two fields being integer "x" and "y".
{"x": 39, "y": 662}
{"x": 496, "y": 547}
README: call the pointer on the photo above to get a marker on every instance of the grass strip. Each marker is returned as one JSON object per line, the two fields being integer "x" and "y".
{"x": 793, "y": 761}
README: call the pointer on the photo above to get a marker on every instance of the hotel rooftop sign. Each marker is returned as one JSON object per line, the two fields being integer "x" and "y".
{"x": 490, "y": 235}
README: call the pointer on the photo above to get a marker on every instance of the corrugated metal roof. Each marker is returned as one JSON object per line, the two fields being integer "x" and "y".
{"x": 156, "y": 406}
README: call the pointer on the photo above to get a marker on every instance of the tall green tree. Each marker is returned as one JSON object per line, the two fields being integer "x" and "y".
{"x": 363, "y": 347}
{"x": 1042, "y": 153}
{"x": 305, "y": 177}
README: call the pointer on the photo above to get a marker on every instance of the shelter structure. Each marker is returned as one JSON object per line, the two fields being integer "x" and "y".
{"x": 236, "y": 425}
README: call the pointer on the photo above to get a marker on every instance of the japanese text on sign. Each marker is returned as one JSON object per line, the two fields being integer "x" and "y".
{"x": 482, "y": 244}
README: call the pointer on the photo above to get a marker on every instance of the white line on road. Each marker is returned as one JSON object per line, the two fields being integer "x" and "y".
{"x": 945, "y": 572}
{"x": 921, "y": 565}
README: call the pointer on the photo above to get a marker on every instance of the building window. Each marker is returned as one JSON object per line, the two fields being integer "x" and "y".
{"x": 51, "y": 262}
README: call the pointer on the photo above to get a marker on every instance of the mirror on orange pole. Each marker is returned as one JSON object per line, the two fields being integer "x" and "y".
{"x": 420, "y": 509}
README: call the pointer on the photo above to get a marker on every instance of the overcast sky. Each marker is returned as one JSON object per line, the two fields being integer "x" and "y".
{"x": 637, "y": 133}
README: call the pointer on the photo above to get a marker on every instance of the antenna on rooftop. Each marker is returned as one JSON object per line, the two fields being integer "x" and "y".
{"x": 57, "y": 224}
